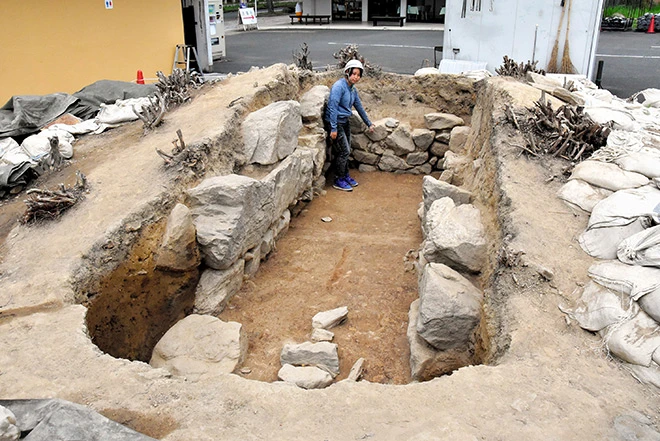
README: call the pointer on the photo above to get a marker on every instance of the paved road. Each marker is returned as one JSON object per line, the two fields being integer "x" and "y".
{"x": 631, "y": 60}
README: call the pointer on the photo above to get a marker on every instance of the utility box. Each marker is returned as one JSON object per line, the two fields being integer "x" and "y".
{"x": 216, "y": 23}
{"x": 486, "y": 30}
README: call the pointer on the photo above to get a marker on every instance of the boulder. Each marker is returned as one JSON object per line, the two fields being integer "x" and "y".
{"x": 442, "y": 121}
{"x": 360, "y": 141}
{"x": 231, "y": 214}
{"x": 380, "y": 130}
{"x": 322, "y": 354}
{"x": 55, "y": 419}
{"x": 201, "y": 346}
{"x": 357, "y": 125}
{"x": 389, "y": 162}
{"x": 434, "y": 189}
{"x": 450, "y": 308}
{"x": 426, "y": 362}
{"x": 364, "y": 168}
{"x": 443, "y": 136}
{"x": 417, "y": 158}
{"x": 400, "y": 140}
{"x": 313, "y": 102}
{"x": 306, "y": 377}
{"x": 458, "y": 138}
{"x": 439, "y": 149}
{"x": 454, "y": 235}
{"x": 290, "y": 179}
{"x": 365, "y": 157}
{"x": 216, "y": 287}
{"x": 423, "y": 138}
{"x": 179, "y": 251}
{"x": 271, "y": 134}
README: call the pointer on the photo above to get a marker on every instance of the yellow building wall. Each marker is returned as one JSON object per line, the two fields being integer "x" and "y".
{"x": 63, "y": 45}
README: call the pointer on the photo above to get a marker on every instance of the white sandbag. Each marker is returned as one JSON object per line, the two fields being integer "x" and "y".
{"x": 647, "y": 97}
{"x": 578, "y": 193}
{"x": 635, "y": 281}
{"x": 642, "y": 248}
{"x": 121, "y": 111}
{"x": 603, "y": 242}
{"x": 607, "y": 175}
{"x": 81, "y": 128}
{"x": 632, "y": 210}
{"x": 625, "y": 206}
{"x": 620, "y": 119}
{"x": 650, "y": 303}
{"x": 646, "y": 375}
{"x": 646, "y": 163}
{"x": 634, "y": 341}
{"x": 11, "y": 152}
{"x": 38, "y": 146}
{"x": 600, "y": 307}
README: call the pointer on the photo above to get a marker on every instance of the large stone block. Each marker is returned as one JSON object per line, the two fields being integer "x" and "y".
{"x": 216, "y": 287}
{"x": 323, "y": 354}
{"x": 313, "y": 102}
{"x": 400, "y": 141}
{"x": 442, "y": 121}
{"x": 179, "y": 251}
{"x": 450, "y": 308}
{"x": 426, "y": 362}
{"x": 270, "y": 134}
{"x": 454, "y": 235}
{"x": 231, "y": 214}
{"x": 201, "y": 346}
{"x": 434, "y": 189}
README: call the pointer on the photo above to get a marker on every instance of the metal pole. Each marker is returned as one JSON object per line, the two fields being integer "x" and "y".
{"x": 599, "y": 73}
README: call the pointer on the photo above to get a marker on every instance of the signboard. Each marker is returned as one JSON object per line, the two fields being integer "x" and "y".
{"x": 108, "y": 4}
{"x": 247, "y": 16}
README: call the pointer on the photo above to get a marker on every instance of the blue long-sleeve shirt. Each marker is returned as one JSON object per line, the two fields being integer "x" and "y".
{"x": 341, "y": 102}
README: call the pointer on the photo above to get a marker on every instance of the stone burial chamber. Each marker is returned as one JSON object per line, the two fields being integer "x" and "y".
{"x": 224, "y": 226}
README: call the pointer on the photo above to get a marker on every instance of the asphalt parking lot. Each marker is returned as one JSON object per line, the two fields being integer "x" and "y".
{"x": 631, "y": 60}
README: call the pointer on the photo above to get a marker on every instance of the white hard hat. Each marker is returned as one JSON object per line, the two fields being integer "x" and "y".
{"x": 353, "y": 64}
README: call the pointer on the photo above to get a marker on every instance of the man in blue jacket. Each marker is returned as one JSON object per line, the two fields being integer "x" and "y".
{"x": 343, "y": 97}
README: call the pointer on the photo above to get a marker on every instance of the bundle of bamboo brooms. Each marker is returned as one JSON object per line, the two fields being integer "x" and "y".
{"x": 566, "y": 66}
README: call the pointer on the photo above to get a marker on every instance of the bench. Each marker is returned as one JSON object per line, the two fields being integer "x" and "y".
{"x": 377, "y": 18}
{"x": 314, "y": 18}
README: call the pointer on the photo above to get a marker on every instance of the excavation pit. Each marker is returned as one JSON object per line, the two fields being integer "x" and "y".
{"x": 365, "y": 259}
{"x": 540, "y": 377}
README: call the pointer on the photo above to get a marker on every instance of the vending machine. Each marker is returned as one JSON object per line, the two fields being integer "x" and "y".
{"x": 217, "y": 29}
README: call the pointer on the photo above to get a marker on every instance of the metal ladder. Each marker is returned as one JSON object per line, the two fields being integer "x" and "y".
{"x": 184, "y": 51}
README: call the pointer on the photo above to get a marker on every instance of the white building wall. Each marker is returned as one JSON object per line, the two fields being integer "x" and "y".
{"x": 507, "y": 27}
{"x": 317, "y": 7}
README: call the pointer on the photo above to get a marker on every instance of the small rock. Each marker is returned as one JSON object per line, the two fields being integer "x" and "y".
{"x": 330, "y": 319}
{"x": 321, "y": 335}
{"x": 326, "y": 219}
{"x": 356, "y": 370}
{"x": 246, "y": 371}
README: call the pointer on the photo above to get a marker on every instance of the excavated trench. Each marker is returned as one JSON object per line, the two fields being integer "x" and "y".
{"x": 358, "y": 259}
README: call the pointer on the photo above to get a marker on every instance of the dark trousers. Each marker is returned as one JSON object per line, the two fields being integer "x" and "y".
{"x": 341, "y": 149}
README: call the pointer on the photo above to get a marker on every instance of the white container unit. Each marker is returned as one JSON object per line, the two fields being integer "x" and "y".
{"x": 484, "y": 31}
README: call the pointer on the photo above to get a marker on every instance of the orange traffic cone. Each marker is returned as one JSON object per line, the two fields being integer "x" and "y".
{"x": 651, "y": 29}
{"x": 140, "y": 77}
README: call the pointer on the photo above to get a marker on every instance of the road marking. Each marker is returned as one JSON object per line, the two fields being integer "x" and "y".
{"x": 628, "y": 56}
{"x": 655, "y": 47}
{"x": 399, "y": 46}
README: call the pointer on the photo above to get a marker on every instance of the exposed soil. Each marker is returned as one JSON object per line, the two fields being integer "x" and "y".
{"x": 550, "y": 380}
{"x": 356, "y": 260}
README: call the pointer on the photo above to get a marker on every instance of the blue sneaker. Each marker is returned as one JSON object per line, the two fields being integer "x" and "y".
{"x": 341, "y": 184}
{"x": 350, "y": 181}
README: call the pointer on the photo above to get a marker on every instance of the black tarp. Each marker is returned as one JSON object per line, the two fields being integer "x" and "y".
{"x": 26, "y": 114}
